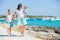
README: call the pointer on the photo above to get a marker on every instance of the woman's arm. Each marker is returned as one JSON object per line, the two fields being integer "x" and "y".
{"x": 24, "y": 15}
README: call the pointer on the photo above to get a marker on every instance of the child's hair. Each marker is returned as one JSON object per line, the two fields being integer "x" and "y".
{"x": 15, "y": 12}
{"x": 25, "y": 7}
{"x": 9, "y": 11}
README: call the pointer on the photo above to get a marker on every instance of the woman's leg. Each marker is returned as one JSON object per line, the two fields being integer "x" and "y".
{"x": 22, "y": 30}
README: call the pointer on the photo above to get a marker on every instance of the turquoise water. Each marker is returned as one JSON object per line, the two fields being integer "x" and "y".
{"x": 55, "y": 24}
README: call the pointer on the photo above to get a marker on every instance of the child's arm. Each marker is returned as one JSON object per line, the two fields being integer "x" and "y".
{"x": 14, "y": 16}
{"x": 6, "y": 17}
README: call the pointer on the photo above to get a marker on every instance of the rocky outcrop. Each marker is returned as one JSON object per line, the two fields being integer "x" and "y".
{"x": 46, "y": 33}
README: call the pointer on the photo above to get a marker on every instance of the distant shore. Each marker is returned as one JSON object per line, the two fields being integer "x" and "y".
{"x": 33, "y": 16}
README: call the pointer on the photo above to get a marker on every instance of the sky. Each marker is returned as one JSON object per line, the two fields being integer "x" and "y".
{"x": 35, "y": 7}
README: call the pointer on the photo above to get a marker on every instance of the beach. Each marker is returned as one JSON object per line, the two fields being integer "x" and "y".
{"x": 15, "y": 34}
{"x": 30, "y": 20}
{"x": 31, "y": 32}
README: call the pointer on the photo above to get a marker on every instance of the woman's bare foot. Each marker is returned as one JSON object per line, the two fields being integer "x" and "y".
{"x": 9, "y": 35}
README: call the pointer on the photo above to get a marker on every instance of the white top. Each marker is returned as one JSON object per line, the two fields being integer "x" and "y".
{"x": 9, "y": 18}
{"x": 25, "y": 11}
{"x": 20, "y": 13}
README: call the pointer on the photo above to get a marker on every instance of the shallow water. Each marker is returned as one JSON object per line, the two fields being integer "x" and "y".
{"x": 55, "y": 23}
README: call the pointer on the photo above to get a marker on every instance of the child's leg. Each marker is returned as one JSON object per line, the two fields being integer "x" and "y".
{"x": 9, "y": 29}
{"x": 9, "y": 32}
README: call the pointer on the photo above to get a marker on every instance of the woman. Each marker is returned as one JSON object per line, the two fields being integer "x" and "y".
{"x": 20, "y": 18}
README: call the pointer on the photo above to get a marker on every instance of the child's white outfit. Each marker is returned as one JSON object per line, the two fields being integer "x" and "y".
{"x": 9, "y": 20}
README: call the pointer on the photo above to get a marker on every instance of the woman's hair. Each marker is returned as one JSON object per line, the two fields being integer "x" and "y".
{"x": 9, "y": 10}
{"x": 19, "y": 6}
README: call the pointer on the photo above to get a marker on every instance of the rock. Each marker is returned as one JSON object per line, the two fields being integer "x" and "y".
{"x": 57, "y": 31}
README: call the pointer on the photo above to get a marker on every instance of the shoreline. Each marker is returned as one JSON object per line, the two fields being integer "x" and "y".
{"x": 46, "y": 33}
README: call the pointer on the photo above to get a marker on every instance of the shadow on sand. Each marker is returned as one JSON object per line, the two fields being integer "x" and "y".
{"x": 7, "y": 36}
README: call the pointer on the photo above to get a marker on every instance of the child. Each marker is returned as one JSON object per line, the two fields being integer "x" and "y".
{"x": 14, "y": 17}
{"x": 25, "y": 11}
{"x": 9, "y": 20}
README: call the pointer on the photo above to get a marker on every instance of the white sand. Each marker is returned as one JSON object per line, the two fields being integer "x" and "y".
{"x": 3, "y": 32}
